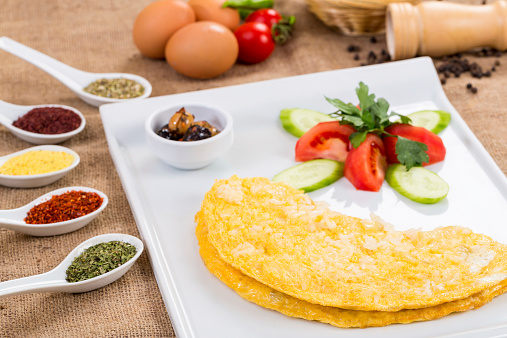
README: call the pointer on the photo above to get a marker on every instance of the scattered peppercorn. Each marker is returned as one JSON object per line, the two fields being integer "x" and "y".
{"x": 471, "y": 88}
{"x": 372, "y": 57}
{"x": 64, "y": 207}
{"x": 458, "y": 64}
{"x": 353, "y": 48}
{"x": 448, "y": 66}
{"x": 48, "y": 120}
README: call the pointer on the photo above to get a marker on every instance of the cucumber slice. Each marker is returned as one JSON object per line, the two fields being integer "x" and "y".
{"x": 298, "y": 121}
{"x": 433, "y": 120}
{"x": 418, "y": 184}
{"x": 311, "y": 175}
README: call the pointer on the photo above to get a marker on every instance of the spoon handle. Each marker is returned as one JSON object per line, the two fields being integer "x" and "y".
{"x": 12, "y": 218}
{"x": 62, "y": 72}
{"x": 38, "y": 283}
{"x": 7, "y": 122}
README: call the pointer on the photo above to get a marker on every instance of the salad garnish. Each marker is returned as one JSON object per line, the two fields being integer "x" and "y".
{"x": 373, "y": 116}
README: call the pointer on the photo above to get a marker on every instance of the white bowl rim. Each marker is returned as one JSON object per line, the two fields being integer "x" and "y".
{"x": 50, "y": 147}
{"x": 221, "y": 111}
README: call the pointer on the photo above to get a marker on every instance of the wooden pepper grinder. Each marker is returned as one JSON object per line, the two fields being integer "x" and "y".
{"x": 437, "y": 28}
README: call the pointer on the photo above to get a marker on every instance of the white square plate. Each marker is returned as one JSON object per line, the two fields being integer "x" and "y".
{"x": 164, "y": 200}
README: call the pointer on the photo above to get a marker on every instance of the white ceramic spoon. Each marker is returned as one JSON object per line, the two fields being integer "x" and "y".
{"x": 33, "y": 181}
{"x": 14, "y": 219}
{"x": 11, "y": 112}
{"x": 73, "y": 78}
{"x": 54, "y": 280}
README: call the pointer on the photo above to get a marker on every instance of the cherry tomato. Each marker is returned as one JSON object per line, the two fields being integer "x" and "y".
{"x": 255, "y": 42}
{"x": 329, "y": 140}
{"x": 365, "y": 166}
{"x": 436, "y": 148}
{"x": 266, "y": 15}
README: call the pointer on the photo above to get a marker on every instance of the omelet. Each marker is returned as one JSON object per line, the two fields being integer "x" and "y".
{"x": 260, "y": 294}
{"x": 279, "y": 237}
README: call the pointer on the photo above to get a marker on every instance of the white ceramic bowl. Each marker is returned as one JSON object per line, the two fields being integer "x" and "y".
{"x": 33, "y": 181}
{"x": 190, "y": 154}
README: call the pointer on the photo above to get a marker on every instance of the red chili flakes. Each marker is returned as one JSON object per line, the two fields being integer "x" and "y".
{"x": 49, "y": 120}
{"x": 64, "y": 207}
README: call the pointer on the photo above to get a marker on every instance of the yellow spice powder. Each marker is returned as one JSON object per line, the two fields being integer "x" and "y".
{"x": 36, "y": 162}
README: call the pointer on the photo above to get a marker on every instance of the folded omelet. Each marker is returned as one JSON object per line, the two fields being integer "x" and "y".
{"x": 260, "y": 294}
{"x": 280, "y": 238}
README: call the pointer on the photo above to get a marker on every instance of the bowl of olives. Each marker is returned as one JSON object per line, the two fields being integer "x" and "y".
{"x": 189, "y": 135}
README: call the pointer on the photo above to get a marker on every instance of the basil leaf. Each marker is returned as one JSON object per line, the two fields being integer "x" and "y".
{"x": 411, "y": 153}
{"x": 365, "y": 100}
{"x": 357, "y": 138}
{"x": 346, "y": 108}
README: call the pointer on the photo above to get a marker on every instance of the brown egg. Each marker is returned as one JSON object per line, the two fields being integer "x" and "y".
{"x": 202, "y": 50}
{"x": 156, "y": 23}
{"x": 211, "y": 10}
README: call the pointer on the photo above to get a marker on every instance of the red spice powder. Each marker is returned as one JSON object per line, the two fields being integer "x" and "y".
{"x": 64, "y": 207}
{"x": 48, "y": 120}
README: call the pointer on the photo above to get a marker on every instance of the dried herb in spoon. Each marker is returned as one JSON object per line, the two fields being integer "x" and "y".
{"x": 99, "y": 259}
{"x": 120, "y": 88}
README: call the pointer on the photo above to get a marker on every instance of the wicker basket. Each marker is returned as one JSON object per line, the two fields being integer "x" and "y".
{"x": 353, "y": 17}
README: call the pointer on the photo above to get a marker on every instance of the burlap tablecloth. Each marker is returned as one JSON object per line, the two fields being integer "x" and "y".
{"x": 95, "y": 35}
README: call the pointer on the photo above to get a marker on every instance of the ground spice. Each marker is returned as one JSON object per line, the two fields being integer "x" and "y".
{"x": 64, "y": 207}
{"x": 120, "y": 88}
{"x": 49, "y": 120}
{"x": 99, "y": 259}
{"x": 36, "y": 162}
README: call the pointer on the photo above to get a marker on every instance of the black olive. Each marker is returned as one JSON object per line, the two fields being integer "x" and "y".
{"x": 195, "y": 133}
{"x": 167, "y": 134}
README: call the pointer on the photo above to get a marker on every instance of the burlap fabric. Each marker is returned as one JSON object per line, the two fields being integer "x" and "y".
{"x": 95, "y": 35}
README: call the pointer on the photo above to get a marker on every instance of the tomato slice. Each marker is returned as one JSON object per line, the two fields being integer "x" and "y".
{"x": 436, "y": 148}
{"x": 329, "y": 140}
{"x": 366, "y": 165}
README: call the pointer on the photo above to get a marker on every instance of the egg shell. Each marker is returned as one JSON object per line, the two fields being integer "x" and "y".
{"x": 202, "y": 50}
{"x": 157, "y": 22}
{"x": 212, "y": 10}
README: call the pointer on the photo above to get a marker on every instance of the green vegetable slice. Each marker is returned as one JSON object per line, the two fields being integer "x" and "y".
{"x": 298, "y": 121}
{"x": 311, "y": 175}
{"x": 418, "y": 184}
{"x": 433, "y": 120}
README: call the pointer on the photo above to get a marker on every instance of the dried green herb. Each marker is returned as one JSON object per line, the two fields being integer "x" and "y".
{"x": 99, "y": 259}
{"x": 120, "y": 88}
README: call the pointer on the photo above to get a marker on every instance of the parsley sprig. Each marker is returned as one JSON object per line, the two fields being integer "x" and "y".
{"x": 372, "y": 117}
